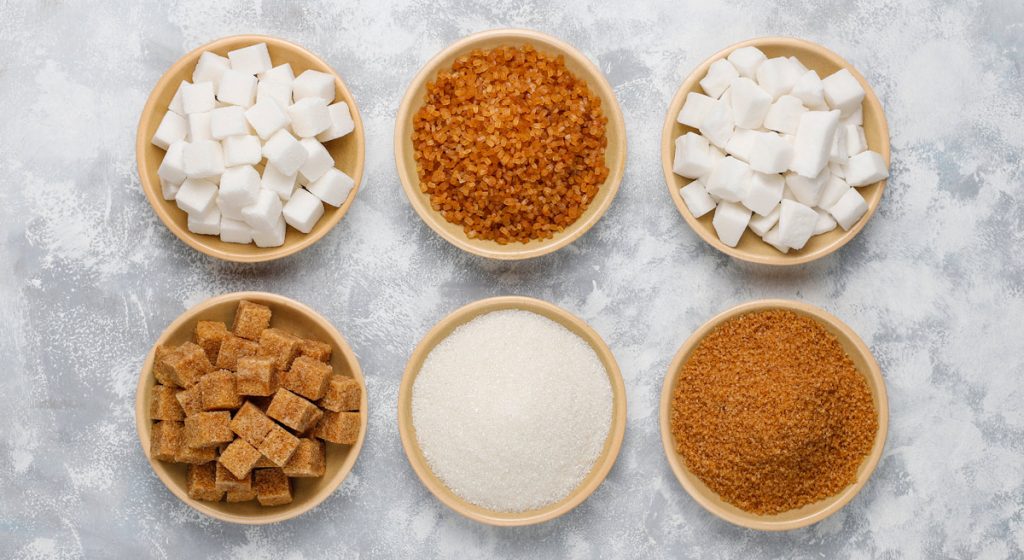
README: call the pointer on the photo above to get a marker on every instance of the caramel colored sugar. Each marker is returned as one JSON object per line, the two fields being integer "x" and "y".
{"x": 510, "y": 145}
{"x": 771, "y": 413}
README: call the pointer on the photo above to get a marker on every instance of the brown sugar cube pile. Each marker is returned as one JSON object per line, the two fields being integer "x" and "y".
{"x": 309, "y": 459}
{"x": 163, "y": 404}
{"x": 228, "y": 482}
{"x": 250, "y": 320}
{"x": 251, "y": 424}
{"x": 273, "y": 488}
{"x": 307, "y": 377}
{"x": 194, "y": 455}
{"x": 186, "y": 365}
{"x": 292, "y": 410}
{"x": 320, "y": 351}
{"x": 191, "y": 400}
{"x": 338, "y": 427}
{"x": 165, "y": 440}
{"x": 343, "y": 394}
{"x": 208, "y": 335}
{"x": 208, "y": 429}
{"x": 234, "y": 348}
{"x": 278, "y": 446}
{"x": 257, "y": 376}
{"x": 239, "y": 458}
{"x": 202, "y": 483}
{"x": 218, "y": 391}
{"x": 281, "y": 346}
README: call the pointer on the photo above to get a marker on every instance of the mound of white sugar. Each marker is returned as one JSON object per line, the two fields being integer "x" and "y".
{"x": 512, "y": 410}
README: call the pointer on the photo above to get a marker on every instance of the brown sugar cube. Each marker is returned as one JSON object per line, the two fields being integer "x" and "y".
{"x": 228, "y": 482}
{"x": 320, "y": 351}
{"x": 202, "y": 483}
{"x": 165, "y": 440}
{"x": 280, "y": 345}
{"x": 239, "y": 458}
{"x": 236, "y": 496}
{"x": 233, "y": 349}
{"x": 195, "y": 455}
{"x": 343, "y": 394}
{"x": 191, "y": 400}
{"x": 263, "y": 463}
{"x": 338, "y": 427}
{"x": 292, "y": 410}
{"x": 278, "y": 446}
{"x": 163, "y": 405}
{"x": 208, "y": 429}
{"x": 273, "y": 488}
{"x": 187, "y": 365}
{"x": 250, "y": 320}
{"x": 307, "y": 377}
{"x": 161, "y": 369}
{"x": 218, "y": 391}
{"x": 208, "y": 335}
{"x": 309, "y": 459}
{"x": 257, "y": 376}
{"x": 251, "y": 423}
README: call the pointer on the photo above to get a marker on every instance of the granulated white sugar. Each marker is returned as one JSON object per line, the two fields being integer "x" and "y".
{"x": 512, "y": 410}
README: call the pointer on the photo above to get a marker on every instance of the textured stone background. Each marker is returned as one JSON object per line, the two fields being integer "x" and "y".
{"x": 934, "y": 283}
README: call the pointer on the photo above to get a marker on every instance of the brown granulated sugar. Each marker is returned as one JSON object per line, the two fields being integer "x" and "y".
{"x": 510, "y": 145}
{"x": 771, "y": 413}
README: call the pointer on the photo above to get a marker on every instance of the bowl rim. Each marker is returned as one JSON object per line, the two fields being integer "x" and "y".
{"x": 152, "y": 191}
{"x": 668, "y": 138}
{"x": 750, "y": 520}
{"x": 602, "y": 466}
{"x": 595, "y": 80}
{"x": 142, "y": 407}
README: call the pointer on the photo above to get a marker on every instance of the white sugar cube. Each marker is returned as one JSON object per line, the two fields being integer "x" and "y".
{"x": 727, "y": 97}
{"x": 825, "y": 223}
{"x": 692, "y": 157}
{"x": 203, "y": 159}
{"x": 341, "y": 122}
{"x": 205, "y": 224}
{"x": 229, "y": 210}
{"x": 199, "y": 127}
{"x": 765, "y": 192}
{"x": 843, "y": 92}
{"x": 168, "y": 190}
{"x": 251, "y": 60}
{"x": 834, "y": 189}
{"x": 175, "y": 104}
{"x": 273, "y": 237}
{"x": 796, "y": 224}
{"x": 172, "y": 167}
{"x": 309, "y": 117}
{"x": 784, "y": 115}
{"x": 284, "y": 152}
{"x": 719, "y": 77}
{"x": 694, "y": 108}
{"x": 264, "y": 212}
{"x": 278, "y": 183}
{"x": 303, "y": 210}
{"x": 850, "y": 207}
{"x": 761, "y": 224}
{"x": 332, "y": 187}
{"x": 749, "y": 103}
{"x": 279, "y": 92}
{"x": 788, "y": 194}
{"x": 857, "y": 117}
{"x": 741, "y": 143}
{"x": 746, "y": 60}
{"x": 267, "y": 117}
{"x": 228, "y": 121}
{"x": 809, "y": 90}
{"x": 799, "y": 66}
{"x": 716, "y": 156}
{"x": 197, "y": 97}
{"x": 866, "y": 168}
{"x": 210, "y": 68}
{"x": 318, "y": 160}
{"x": 730, "y": 222}
{"x": 770, "y": 153}
{"x": 239, "y": 186}
{"x": 807, "y": 191}
{"x": 718, "y": 124}
{"x": 729, "y": 180}
{"x": 235, "y": 231}
{"x": 312, "y": 83}
{"x": 777, "y": 76}
{"x": 697, "y": 199}
{"x": 237, "y": 88}
{"x": 837, "y": 170}
{"x": 173, "y": 128}
{"x": 774, "y": 238}
{"x": 281, "y": 74}
{"x": 856, "y": 142}
{"x": 196, "y": 196}
{"x": 241, "y": 150}
{"x": 838, "y": 154}
{"x": 814, "y": 142}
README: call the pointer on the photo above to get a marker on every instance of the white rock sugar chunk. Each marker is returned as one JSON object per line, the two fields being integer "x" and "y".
{"x": 718, "y": 124}
{"x": 332, "y": 187}
{"x": 175, "y": 104}
{"x": 251, "y": 60}
{"x": 199, "y": 127}
{"x": 784, "y": 115}
{"x": 730, "y": 222}
{"x": 282, "y": 74}
{"x": 203, "y": 159}
{"x": 856, "y": 142}
{"x": 837, "y": 170}
{"x": 279, "y": 183}
{"x": 825, "y": 223}
{"x": 228, "y": 121}
{"x": 239, "y": 186}
{"x": 312, "y": 83}
{"x": 210, "y": 68}
{"x": 774, "y": 238}
{"x": 318, "y": 160}
{"x": 717, "y": 155}
{"x": 719, "y": 77}
{"x": 341, "y": 122}
{"x": 284, "y": 152}
{"x": 205, "y": 224}
{"x": 694, "y": 108}
{"x": 814, "y": 142}
{"x": 746, "y": 60}
{"x": 765, "y": 192}
{"x": 278, "y": 92}
{"x": 761, "y": 224}
{"x": 168, "y": 190}
{"x": 692, "y": 157}
{"x": 197, "y": 97}
{"x": 303, "y": 210}
{"x": 235, "y": 231}
{"x": 770, "y": 153}
{"x": 241, "y": 150}
{"x": 796, "y": 224}
{"x": 697, "y": 199}
{"x": 849, "y": 209}
{"x": 834, "y": 189}
{"x": 777, "y": 76}
{"x": 749, "y": 103}
{"x": 172, "y": 167}
{"x": 309, "y": 117}
{"x": 267, "y": 117}
{"x": 729, "y": 180}
{"x": 173, "y": 128}
{"x": 237, "y": 88}
{"x": 741, "y": 143}
{"x": 807, "y": 191}
{"x": 856, "y": 118}
{"x": 843, "y": 92}
{"x": 866, "y": 168}
{"x": 264, "y": 212}
{"x": 838, "y": 153}
{"x": 810, "y": 91}
{"x": 196, "y": 196}
{"x": 273, "y": 237}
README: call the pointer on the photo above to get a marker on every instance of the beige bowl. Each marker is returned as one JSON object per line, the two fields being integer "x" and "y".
{"x": 811, "y": 513}
{"x": 615, "y": 153}
{"x": 750, "y": 247}
{"x": 347, "y": 151}
{"x": 295, "y": 318}
{"x": 408, "y": 432}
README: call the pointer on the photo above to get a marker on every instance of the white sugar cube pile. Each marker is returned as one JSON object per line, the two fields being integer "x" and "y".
{"x": 776, "y": 149}
{"x": 240, "y": 111}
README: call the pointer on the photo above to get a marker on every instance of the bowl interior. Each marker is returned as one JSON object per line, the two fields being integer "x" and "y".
{"x": 615, "y": 153}
{"x": 811, "y": 513}
{"x": 601, "y": 466}
{"x": 299, "y": 320}
{"x": 750, "y": 247}
{"x": 347, "y": 151}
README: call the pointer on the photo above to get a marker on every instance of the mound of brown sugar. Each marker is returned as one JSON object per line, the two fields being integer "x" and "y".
{"x": 771, "y": 413}
{"x": 510, "y": 145}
